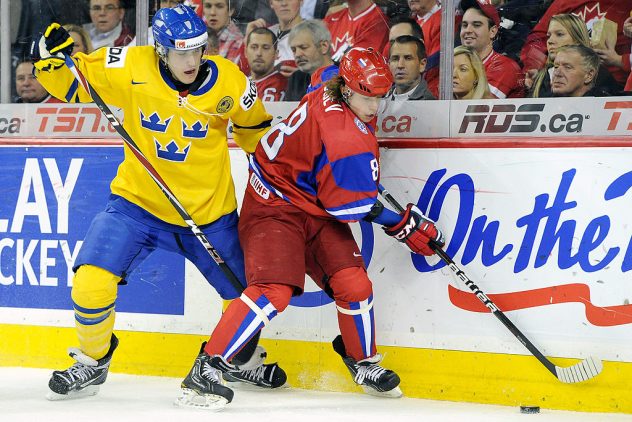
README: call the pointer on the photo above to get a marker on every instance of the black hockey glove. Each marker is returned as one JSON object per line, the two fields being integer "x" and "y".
{"x": 52, "y": 46}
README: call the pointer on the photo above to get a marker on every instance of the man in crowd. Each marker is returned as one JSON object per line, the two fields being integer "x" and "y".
{"x": 260, "y": 52}
{"x": 427, "y": 13}
{"x": 575, "y": 71}
{"x": 407, "y": 61}
{"x": 310, "y": 42}
{"x": 478, "y": 29}
{"x": 28, "y": 88}
{"x": 617, "y": 57}
{"x": 107, "y": 28}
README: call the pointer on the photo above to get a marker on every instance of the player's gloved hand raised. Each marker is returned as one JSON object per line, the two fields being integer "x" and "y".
{"x": 52, "y": 46}
{"x": 416, "y": 231}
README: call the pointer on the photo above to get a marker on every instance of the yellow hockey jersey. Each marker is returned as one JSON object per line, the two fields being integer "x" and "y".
{"x": 184, "y": 138}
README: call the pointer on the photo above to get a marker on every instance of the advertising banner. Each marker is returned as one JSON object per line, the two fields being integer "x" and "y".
{"x": 49, "y": 197}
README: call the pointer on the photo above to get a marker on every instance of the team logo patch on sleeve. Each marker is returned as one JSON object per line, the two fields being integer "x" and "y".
{"x": 360, "y": 124}
{"x": 225, "y": 104}
{"x": 115, "y": 57}
{"x": 250, "y": 96}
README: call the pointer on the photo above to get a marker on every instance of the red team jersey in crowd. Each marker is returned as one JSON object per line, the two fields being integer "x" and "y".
{"x": 322, "y": 159}
{"x": 431, "y": 29}
{"x": 368, "y": 29}
{"x": 503, "y": 75}
{"x": 272, "y": 87}
{"x": 534, "y": 52}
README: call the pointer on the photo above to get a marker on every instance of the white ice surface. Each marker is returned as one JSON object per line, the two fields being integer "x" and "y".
{"x": 134, "y": 398}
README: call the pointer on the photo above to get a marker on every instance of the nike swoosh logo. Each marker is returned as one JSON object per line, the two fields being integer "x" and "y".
{"x": 357, "y": 254}
{"x": 137, "y": 83}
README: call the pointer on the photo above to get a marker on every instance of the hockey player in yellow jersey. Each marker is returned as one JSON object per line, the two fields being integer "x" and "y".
{"x": 176, "y": 104}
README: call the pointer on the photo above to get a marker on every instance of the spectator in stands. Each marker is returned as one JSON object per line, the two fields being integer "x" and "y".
{"x": 575, "y": 72}
{"x": 217, "y": 14}
{"x": 288, "y": 14}
{"x": 28, "y": 88}
{"x": 83, "y": 44}
{"x": 260, "y": 52}
{"x": 150, "y": 33}
{"x": 627, "y": 31}
{"x": 478, "y": 29}
{"x": 618, "y": 59}
{"x": 360, "y": 24}
{"x": 107, "y": 28}
{"x": 468, "y": 76}
{"x": 566, "y": 29}
{"x": 517, "y": 18}
{"x": 427, "y": 13}
{"x": 407, "y": 61}
{"x": 212, "y": 48}
{"x": 310, "y": 43}
{"x": 402, "y": 25}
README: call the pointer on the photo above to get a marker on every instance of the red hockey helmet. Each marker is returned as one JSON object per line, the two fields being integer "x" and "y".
{"x": 366, "y": 72}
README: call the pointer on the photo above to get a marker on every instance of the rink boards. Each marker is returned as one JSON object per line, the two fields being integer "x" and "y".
{"x": 544, "y": 236}
{"x": 541, "y": 225}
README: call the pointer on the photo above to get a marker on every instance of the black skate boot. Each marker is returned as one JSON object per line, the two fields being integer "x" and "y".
{"x": 83, "y": 378}
{"x": 373, "y": 379}
{"x": 202, "y": 387}
{"x": 256, "y": 373}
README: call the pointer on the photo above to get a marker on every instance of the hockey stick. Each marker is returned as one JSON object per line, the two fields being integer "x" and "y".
{"x": 154, "y": 175}
{"x": 581, "y": 371}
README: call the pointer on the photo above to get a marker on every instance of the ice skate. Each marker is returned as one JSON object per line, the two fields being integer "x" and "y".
{"x": 256, "y": 373}
{"x": 202, "y": 388}
{"x": 83, "y": 378}
{"x": 373, "y": 379}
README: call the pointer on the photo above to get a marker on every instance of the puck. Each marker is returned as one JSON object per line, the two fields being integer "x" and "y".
{"x": 529, "y": 409}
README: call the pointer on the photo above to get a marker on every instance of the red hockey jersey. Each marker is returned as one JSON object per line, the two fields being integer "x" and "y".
{"x": 503, "y": 76}
{"x": 368, "y": 29}
{"x": 272, "y": 87}
{"x": 322, "y": 158}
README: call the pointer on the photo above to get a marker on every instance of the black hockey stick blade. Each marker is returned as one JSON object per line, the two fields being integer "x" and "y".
{"x": 581, "y": 371}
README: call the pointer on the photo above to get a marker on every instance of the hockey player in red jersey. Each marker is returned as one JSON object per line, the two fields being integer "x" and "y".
{"x": 310, "y": 176}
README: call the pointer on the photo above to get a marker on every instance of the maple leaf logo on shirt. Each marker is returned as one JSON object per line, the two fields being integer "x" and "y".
{"x": 590, "y": 14}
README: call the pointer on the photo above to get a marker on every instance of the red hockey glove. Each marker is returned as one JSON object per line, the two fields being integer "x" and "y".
{"x": 415, "y": 231}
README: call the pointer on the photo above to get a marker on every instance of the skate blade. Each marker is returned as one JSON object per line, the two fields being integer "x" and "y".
{"x": 90, "y": 390}
{"x": 395, "y": 393}
{"x": 247, "y": 386}
{"x": 191, "y": 399}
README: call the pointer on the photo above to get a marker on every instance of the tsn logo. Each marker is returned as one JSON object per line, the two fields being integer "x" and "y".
{"x": 63, "y": 119}
{"x": 505, "y": 118}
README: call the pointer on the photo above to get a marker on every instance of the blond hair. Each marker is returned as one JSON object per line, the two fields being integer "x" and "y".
{"x": 85, "y": 38}
{"x": 577, "y": 30}
{"x": 481, "y": 86}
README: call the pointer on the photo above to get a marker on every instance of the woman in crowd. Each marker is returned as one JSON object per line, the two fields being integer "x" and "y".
{"x": 468, "y": 76}
{"x": 566, "y": 29}
{"x": 83, "y": 44}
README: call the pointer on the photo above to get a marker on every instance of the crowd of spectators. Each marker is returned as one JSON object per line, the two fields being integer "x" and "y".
{"x": 502, "y": 48}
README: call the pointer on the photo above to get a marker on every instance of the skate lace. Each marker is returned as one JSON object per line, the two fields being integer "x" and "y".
{"x": 370, "y": 372}
{"x": 79, "y": 372}
{"x": 210, "y": 373}
{"x": 254, "y": 374}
